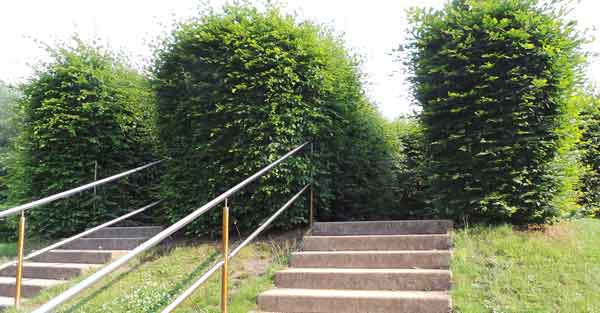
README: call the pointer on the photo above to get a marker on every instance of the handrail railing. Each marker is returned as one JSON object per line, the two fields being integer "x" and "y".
{"x": 61, "y": 195}
{"x": 219, "y": 265}
{"x": 70, "y": 192}
{"x": 94, "y": 278}
{"x": 81, "y": 235}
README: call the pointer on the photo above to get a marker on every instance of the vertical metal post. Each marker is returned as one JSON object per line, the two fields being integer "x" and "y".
{"x": 20, "y": 255}
{"x": 225, "y": 269}
{"x": 312, "y": 184}
{"x": 95, "y": 179}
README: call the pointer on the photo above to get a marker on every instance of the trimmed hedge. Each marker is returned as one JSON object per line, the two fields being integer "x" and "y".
{"x": 236, "y": 90}
{"x": 590, "y": 197}
{"x": 84, "y": 106}
{"x": 494, "y": 79}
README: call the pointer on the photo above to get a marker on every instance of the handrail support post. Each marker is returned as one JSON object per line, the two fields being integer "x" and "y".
{"x": 311, "y": 213}
{"x": 20, "y": 257}
{"x": 225, "y": 269}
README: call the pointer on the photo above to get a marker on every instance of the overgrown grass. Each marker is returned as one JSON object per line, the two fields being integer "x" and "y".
{"x": 154, "y": 280}
{"x": 501, "y": 270}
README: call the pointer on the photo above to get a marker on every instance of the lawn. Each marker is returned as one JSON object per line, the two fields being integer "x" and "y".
{"x": 501, "y": 270}
{"x": 155, "y": 279}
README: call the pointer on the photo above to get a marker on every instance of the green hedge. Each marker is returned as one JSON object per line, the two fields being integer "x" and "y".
{"x": 237, "y": 89}
{"x": 82, "y": 107}
{"x": 494, "y": 79}
{"x": 590, "y": 197}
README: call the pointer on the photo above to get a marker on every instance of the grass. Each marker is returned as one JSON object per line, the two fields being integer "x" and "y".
{"x": 501, "y": 270}
{"x": 152, "y": 281}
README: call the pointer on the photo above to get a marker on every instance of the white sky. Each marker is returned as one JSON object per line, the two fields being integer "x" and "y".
{"x": 373, "y": 29}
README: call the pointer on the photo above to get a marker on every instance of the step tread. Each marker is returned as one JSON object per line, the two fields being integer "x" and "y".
{"x": 373, "y": 252}
{"x": 88, "y": 251}
{"x": 112, "y": 238}
{"x": 133, "y": 227}
{"x": 32, "y": 281}
{"x": 397, "y": 227}
{"x": 355, "y": 294}
{"x": 318, "y": 270}
{"x": 378, "y": 236}
{"x": 388, "y": 222}
{"x": 83, "y": 266}
{"x": 6, "y": 301}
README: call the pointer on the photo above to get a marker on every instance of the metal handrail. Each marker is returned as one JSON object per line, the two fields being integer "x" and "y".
{"x": 70, "y": 192}
{"x": 188, "y": 292}
{"x": 94, "y": 278}
{"x": 80, "y": 235}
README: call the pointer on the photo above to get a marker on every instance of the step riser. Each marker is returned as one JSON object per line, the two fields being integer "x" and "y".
{"x": 295, "y": 304}
{"x": 75, "y": 257}
{"x": 103, "y": 244}
{"x": 366, "y": 281}
{"x": 363, "y": 243}
{"x": 439, "y": 260}
{"x": 43, "y": 272}
{"x": 382, "y": 228}
{"x": 8, "y": 290}
{"x": 126, "y": 232}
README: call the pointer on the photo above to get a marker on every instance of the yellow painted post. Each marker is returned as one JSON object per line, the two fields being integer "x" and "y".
{"x": 225, "y": 269}
{"x": 312, "y": 187}
{"x": 311, "y": 207}
{"x": 20, "y": 252}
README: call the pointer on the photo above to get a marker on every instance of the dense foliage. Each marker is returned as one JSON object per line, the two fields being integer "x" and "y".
{"x": 9, "y": 97}
{"x": 83, "y": 108}
{"x": 411, "y": 178}
{"x": 494, "y": 79}
{"x": 239, "y": 88}
{"x": 590, "y": 197}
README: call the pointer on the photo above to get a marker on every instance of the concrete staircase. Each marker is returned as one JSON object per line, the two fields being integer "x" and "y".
{"x": 367, "y": 267}
{"x": 71, "y": 260}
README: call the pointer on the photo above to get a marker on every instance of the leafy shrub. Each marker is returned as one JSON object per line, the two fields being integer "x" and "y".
{"x": 85, "y": 106}
{"x": 493, "y": 79}
{"x": 236, "y": 90}
{"x": 411, "y": 177}
{"x": 590, "y": 196}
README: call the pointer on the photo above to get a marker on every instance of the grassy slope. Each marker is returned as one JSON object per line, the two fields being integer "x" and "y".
{"x": 154, "y": 280}
{"x": 501, "y": 270}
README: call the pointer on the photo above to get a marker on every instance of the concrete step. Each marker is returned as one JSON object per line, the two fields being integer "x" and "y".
{"x": 104, "y": 244}
{"x": 6, "y": 302}
{"x": 79, "y": 256}
{"x": 382, "y": 228}
{"x": 364, "y": 279}
{"x": 62, "y": 271}
{"x": 126, "y": 232}
{"x": 30, "y": 286}
{"x": 353, "y": 301}
{"x": 426, "y": 259}
{"x": 377, "y": 242}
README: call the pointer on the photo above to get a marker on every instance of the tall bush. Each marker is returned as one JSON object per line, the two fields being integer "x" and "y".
{"x": 237, "y": 89}
{"x": 494, "y": 79}
{"x": 411, "y": 178}
{"x": 590, "y": 196}
{"x": 84, "y": 106}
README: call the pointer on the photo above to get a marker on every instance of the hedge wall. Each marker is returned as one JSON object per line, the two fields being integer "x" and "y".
{"x": 493, "y": 78}
{"x": 590, "y": 197}
{"x": 237, "y": 89}
{"x": 82, "y": 107}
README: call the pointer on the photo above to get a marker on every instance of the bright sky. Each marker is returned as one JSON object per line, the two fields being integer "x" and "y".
{"x": 373, "y": 29}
